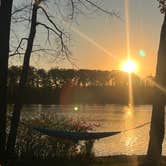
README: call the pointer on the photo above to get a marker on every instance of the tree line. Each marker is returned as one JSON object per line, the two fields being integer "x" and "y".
{"x": 70, "y": 86}
{"x": 58, "y": 78}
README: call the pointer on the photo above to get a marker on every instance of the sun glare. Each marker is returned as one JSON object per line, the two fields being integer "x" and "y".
{"x": 129, "y": 66}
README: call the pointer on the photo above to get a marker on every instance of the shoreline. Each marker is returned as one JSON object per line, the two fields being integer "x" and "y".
{"x": 119, "y": 160}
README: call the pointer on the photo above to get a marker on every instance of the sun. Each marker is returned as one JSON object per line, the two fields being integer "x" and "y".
{"x": 129, "y": 66}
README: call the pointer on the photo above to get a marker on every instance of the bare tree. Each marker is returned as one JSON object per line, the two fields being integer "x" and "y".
{"x": 5, "y": 10}
{"x": 51, "y": 27}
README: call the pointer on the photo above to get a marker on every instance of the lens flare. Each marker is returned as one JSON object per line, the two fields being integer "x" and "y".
{"x": 75, "y": 108}
{"x": 142, "y": 53}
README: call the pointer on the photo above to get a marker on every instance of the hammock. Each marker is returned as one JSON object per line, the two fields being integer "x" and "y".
{"x": 76, "y": 135}
{"x": 81, "y": 135}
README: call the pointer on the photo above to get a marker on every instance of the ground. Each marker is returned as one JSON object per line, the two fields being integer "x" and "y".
{"x": 99, "y": 161}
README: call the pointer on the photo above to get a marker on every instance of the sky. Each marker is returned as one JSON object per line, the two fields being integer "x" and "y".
{"x": 99, "y": 41}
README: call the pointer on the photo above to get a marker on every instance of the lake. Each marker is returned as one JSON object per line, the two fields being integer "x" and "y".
{"x": 109, "y": 118}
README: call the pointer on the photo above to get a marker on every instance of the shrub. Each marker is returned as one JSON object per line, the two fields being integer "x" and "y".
{"x": 33, "y": 145}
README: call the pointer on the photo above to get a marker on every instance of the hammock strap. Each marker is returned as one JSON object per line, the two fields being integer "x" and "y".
{"x": 137, "y": 127}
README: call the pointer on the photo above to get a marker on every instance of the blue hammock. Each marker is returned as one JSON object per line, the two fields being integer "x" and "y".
{"x": 82, "y": 135}
{"x": 75, "y": 135}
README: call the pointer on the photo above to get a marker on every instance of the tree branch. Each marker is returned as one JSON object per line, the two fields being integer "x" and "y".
{"x": 20, "y": 9}
{"x": 16, "y": 52}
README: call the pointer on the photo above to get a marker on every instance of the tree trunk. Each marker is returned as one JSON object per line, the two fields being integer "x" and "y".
{"x": 5, "y": 21}
{"x": 157, "y": 121}
{"x": 22, "y": 85}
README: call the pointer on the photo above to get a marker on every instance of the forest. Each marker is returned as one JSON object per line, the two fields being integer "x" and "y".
{"x": 71, "y": 86}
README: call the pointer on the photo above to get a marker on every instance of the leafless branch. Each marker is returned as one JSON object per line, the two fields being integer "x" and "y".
{"x": 34, "y": 51}
{"x": 20, "y": 9}
{"x": 73, "y": 8}
{"x": 50, "y": 20}
{"x": 48, "y": 28}
{"x": 16, "y": 52}
{"x": 56, "y": 30}
{"x": 20, "y": 19}
{"x": 100, "y": 8}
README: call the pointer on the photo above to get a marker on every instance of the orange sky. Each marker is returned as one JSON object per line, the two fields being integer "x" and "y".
{"x": 110, "y": 33}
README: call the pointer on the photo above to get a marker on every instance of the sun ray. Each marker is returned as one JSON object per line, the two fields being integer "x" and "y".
{"x": 93, "y": 42}
{"x": 155, "y": 84}
{"x": 88, "y": 39}
{"x": 127, "y": 21}
{"x": 108, "y": 53}
{"x": 131, "y": 99}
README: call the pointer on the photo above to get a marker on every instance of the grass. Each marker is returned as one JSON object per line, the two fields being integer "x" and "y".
{"x": 33, "y": 149}
{"x": 34, "y": 145}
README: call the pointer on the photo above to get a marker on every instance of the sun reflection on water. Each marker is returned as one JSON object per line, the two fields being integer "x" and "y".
{"x": 130, "y": 136}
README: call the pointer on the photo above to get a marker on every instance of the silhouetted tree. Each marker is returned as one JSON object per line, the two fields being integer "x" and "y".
{"x": 158, "y": 113}
{"x": 56, "y": 78}
{"x": 43, "y": 79}
{"x": 5, "y": 21}
{"x": 119, "y": 78}
{"x": 13, "y": 78}
{"x": 83, "y": 78}
{"x": 22, "y": 82}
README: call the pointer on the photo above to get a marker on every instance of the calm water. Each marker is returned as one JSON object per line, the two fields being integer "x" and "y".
{"x": 110, "y": 118}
